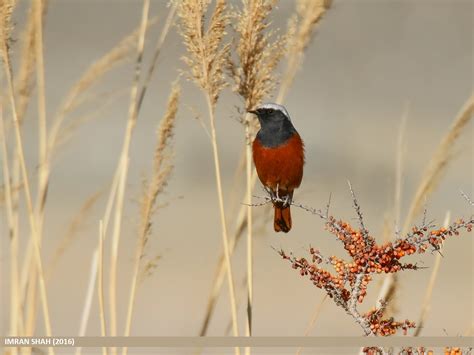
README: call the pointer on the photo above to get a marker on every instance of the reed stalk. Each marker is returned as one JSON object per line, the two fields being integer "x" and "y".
{"x": 123, "y": 171}
{"x": 6, "y": 9}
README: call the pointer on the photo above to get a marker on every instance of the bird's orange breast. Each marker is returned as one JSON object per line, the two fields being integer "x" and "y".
{"x": 281, "y": 165}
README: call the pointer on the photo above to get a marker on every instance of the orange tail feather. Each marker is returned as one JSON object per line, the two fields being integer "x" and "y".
{"x": 282, "y": 221}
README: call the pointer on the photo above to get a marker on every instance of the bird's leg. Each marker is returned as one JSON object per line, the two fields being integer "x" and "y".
{"x": 270, "y": 192}
{"x": 277, "y": 192}
{"x": 287, "y": 201}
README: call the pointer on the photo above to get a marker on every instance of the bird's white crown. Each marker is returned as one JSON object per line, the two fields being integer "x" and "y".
{"x": 275, "y": 107}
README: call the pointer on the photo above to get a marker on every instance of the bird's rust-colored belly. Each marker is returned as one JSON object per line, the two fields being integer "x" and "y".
{"x": 282, "y": 166}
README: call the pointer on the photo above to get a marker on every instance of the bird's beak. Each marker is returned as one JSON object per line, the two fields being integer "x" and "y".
{"x": 252, "y": 111}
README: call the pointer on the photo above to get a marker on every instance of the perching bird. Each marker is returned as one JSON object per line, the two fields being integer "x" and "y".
{"x": 278, "y": 154}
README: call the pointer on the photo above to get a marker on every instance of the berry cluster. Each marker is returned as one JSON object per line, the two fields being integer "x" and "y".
{"x": 405, "y": 351}
{"x": 373, "y": 258}
{"x": 386, "y": 327}
{"x": 420, "y": 351}
{"x": 347, "y": 286}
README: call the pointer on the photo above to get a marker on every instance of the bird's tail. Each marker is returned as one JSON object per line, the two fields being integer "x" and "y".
{"x": 282, "y": 221}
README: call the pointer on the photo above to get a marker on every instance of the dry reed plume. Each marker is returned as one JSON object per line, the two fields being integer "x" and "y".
{"x": 162, "y": 168}
{"x": 207, "y": 54}
{"x": 162, "y": 165}
{"x": 258, "y": 52}
{"x": 206, "y": 59}
{"x": 6, "y": 27}
{"x": 25, "y": 77}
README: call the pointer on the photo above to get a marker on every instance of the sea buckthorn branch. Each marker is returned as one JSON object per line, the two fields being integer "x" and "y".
{"x": 363, "y": 230}
{"x": 268, "y": 199}
{"x": 347, "y": 286}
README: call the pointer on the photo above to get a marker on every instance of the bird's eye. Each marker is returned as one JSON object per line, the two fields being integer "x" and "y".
{"x": 270, "y": 110}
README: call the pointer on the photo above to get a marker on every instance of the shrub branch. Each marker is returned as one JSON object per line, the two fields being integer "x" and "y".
{"x": 348, "y": 285}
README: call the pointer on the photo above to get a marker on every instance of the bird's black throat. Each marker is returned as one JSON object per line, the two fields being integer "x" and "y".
{"x": 273, "y": 134}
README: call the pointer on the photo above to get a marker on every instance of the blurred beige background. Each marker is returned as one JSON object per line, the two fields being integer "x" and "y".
{"x": 369, "y": 62}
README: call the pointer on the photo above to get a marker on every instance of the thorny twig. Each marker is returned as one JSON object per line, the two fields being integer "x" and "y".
{"x": 364, "y": 231}
{"x": 276, "y": 199}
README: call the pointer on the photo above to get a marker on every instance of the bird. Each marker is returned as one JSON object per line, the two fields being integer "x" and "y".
{"x": 279, "y": 157}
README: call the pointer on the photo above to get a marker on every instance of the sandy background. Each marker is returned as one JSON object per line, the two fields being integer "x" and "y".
{"x": 370, "y": 61}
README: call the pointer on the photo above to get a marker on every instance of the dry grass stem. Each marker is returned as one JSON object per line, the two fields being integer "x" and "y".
{"x": 24, "y": 84}
{"x": 43, "y": 163}
{"x": 162, "y": 168}
{"x": 258, "y": 56}
{"x": 123, "y": 171}
{"x": 425, "y": 306}
{"x": 207, "y": 56}
{"x": 240, "y": 227}
{"x": 41, "y": 88}
{"x": 86, "y": 310}
{"x": 5, "y": 13}
{"x": 16, "y": 317}
{"x": 154, "y": 62}
{"x": 223, "y": 219}
{"x": 100, "y": 284}
{"x": 248, "y": 161}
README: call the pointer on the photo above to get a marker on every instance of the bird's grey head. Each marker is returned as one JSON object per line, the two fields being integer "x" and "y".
{"x": 275, "y": 124}
{"x": 270, "y": 113}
